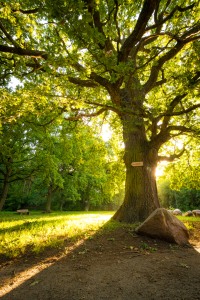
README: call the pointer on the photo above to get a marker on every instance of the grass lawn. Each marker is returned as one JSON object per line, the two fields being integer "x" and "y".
{"x": 37, "y": 231}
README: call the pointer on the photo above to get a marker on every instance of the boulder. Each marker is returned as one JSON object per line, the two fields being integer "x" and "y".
{"x": 196, "y": 212}
{"x": 171, "y": 211}
{"x": 189, "y": 214}
{"x": 177, "y": 212}
{"x": 161, "y": 224}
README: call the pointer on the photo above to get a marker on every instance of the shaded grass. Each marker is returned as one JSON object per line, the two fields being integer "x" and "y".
{"x": 39, "y": 231}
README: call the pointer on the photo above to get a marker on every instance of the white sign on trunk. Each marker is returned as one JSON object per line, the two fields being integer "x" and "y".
{"x": 137, "y": 164}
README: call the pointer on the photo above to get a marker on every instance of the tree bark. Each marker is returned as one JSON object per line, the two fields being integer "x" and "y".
{"x": 87, "y": 205}
{"x": 50, "y": 194}
{"x": 141, "y": 197}
{"x": 29, "y": 186}
{"x": 49, "y": 197}
{"x": 5, "y": 186}
{"x": 24, "y": 186}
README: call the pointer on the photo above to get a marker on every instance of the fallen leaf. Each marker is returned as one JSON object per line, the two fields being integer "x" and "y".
{"x": 35, "y": 282}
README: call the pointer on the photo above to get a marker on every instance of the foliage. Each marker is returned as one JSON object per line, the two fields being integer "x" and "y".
{"x": 82, "y": 59}
{"x": 179, "y": 184}
{"x": 184, "y": 199}
{"x": 20, "y": 148}
{"x": 76, "y": 45}
{"x": 183, "y": 173}
{"x": 83, "y": 167}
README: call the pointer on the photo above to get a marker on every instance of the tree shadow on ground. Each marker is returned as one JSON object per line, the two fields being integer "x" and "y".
{"x": 111, "y": 264}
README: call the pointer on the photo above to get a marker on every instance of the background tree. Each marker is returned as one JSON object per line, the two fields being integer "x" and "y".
{"x": 139, "y": 60}
{"x": 90, "y": 171}
{"x": 179, "y": 184}
{"x": 185, "y": 199}
{"x": 18, "y": 155}
{"x": 79, "y": 170}
{"x": 184, "y": 173}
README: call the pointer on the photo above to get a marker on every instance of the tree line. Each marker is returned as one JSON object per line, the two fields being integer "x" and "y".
{"x": 70, "y": 164}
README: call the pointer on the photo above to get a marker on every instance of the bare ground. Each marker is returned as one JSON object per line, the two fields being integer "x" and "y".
{"x": 108, "y": 266}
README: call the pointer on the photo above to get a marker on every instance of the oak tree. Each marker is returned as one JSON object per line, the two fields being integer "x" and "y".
{"x": 138, "y": 59}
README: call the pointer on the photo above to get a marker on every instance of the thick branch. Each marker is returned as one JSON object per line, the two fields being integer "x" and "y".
{"x": 80, "y": 116}
{"x": 116, "y": 23}
{"x": 155, "y": 69}
{"x": 180, "y": 128}
{"x": 147, "y": 10}
{"x": 160, "y": 82}
{"x": 190, "y": 33}
{"x": 24, "y": 52}
{"x": 169, "y": 111}
{"x": 103, "y": 82}
{"x": 86, "y": 83}
{"x": 27, "y": 12}
{"x": 8, "y": 36}
{"x": 164, "y": 134}
{"x": 93, "y": 76}
{"x": 98, "y": 24}
{"x": 171, "y": 157}
{"x": 120, "y": 112}
{"x": 184, "y": 39}
{"x": 169, "y": 16}
{"x": 182, "y": 112}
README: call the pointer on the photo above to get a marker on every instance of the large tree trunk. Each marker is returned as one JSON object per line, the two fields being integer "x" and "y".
{"x": 5, "y": 186}
{"x": 141, "y": 197}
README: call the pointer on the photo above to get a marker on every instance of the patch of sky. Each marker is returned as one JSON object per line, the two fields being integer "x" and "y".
{"x": 14, "y": 83}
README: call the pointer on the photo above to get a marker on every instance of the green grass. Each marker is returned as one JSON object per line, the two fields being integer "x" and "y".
{"x": 39, "y": 231}
{"x": 186, "y": 219}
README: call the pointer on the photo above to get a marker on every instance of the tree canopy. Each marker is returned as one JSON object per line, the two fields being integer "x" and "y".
{"x": 85, "y": 58}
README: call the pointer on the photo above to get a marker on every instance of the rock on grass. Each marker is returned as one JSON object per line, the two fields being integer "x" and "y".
{"x": 161, "y": 224}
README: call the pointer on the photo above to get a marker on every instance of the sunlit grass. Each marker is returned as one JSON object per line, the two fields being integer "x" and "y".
{"x": 186, "y": 219}
{"x": 189, "y": 221}
{"x": 38, "y": 231}
{"x": 49, "y": 230}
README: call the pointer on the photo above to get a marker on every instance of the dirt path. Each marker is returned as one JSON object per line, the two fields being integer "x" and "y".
{"x": 109, "y": 266}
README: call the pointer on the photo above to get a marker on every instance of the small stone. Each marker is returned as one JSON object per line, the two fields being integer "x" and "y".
{"x": 196, "y": 212}
{"x": 177, "y": 212}
{"x": 189, "y": 214}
